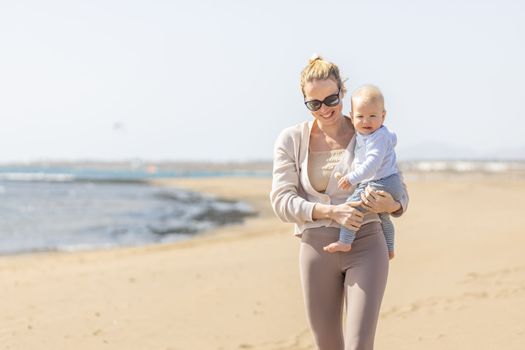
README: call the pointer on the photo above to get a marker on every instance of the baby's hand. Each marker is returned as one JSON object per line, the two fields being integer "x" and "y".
{"x": 343, "y": 181}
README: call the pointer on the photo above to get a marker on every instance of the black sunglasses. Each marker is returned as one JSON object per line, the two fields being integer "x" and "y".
{"x": 330, "y": 101}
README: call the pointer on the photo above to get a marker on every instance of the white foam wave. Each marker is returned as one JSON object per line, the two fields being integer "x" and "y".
{"x": 463, "y": 166}
{"x": 37, "y": 177}
{"x": 84, "y": 247}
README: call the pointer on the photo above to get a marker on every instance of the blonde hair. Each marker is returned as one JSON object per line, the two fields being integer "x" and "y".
{"x": 320, "y": 69}
{"x": 369, "y": 94}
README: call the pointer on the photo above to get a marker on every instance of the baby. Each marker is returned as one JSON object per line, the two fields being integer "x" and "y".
{"x": 374, "y": 163}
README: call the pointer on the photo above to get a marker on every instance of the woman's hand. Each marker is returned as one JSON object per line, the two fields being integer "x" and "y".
{"x": 378, "y": 201}
{"x": 347, "y": 215}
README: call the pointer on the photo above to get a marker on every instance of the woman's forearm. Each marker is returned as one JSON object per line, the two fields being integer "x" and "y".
{"x": 322, "y": 211}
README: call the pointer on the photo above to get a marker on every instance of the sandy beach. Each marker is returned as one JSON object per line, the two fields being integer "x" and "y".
{"x": 457, "y": 282}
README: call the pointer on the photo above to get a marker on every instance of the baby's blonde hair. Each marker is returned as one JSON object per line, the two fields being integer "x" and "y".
{"x": 369, "y": 94}
{"x": 320, "y": 69}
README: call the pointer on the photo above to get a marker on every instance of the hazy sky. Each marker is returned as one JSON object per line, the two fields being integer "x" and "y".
{"x": 218, "y": 80}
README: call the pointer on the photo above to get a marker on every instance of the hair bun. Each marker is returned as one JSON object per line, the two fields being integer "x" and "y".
{"x": 314, "y": 58}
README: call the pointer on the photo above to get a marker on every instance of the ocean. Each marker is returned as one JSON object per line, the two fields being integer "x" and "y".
{"x": 77, "y": 208}
{"x": 68, "y": 207}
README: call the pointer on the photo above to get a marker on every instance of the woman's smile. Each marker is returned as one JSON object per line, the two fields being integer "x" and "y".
{"x": 327, "y": 115}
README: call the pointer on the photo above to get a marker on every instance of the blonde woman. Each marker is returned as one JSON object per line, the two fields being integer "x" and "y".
{"x": 307, "y": 157}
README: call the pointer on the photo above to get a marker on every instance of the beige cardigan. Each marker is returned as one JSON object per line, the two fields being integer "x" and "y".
{"x": 292, "y": 196}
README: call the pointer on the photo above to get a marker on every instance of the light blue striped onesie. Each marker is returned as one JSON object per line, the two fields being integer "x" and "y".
{"x": 375, "y": 165}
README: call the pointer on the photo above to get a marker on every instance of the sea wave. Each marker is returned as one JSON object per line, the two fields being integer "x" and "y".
{"x": 463, "y": 166}
{"x": 65, "y": 177}
{"x": 69, "y": 216}
{"x": 40, "y": 176}
{"x": 110, "y": 176}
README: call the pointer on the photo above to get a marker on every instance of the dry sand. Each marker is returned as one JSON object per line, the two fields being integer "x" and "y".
{"x": 457, "y": 282}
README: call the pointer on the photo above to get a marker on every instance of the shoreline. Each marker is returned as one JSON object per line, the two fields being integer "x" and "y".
{"x": 217, "y": 234}
{"x": 215, "y": 186}
{"x": 144, "y": 214}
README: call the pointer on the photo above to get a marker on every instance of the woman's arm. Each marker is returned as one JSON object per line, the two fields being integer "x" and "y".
{"x": 289, "y": 206}
{"x": 286, "y": 203}
{"x": 378, "y": 201}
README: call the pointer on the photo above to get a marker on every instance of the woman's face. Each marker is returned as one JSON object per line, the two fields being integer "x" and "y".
{"x": 319, "y": 90}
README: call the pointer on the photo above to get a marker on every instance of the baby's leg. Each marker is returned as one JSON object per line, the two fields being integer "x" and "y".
{"x": 342, "y": 246}
{"x": 346, "y": 236}
{"x": 388, "y": 231}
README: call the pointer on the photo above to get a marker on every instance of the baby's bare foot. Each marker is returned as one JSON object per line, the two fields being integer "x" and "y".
{"x": 390, "y": 255}
{"x": 337, "y": 247}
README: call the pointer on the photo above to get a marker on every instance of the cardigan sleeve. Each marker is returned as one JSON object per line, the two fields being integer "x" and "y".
{"x": 287, "y": 204}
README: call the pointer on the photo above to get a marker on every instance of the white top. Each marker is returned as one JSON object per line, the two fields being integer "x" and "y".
{"x": 375, "y": 157}
{"x": 292, "y": 196}
{"x": 320, "y": 167}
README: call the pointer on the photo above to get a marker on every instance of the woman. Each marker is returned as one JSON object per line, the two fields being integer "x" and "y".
{"x": 304, "y": 191}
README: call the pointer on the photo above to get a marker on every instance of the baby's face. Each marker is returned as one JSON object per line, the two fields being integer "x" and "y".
{"x": 367, "y": 116}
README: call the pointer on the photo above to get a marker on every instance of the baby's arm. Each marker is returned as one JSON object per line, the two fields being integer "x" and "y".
{"x": 375, "y": 153}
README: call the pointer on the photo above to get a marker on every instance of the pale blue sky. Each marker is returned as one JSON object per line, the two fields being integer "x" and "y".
{"x": 218, "y": 80}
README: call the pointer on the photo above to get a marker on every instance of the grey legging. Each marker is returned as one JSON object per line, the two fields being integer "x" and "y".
{"x": 358, "y": 276}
